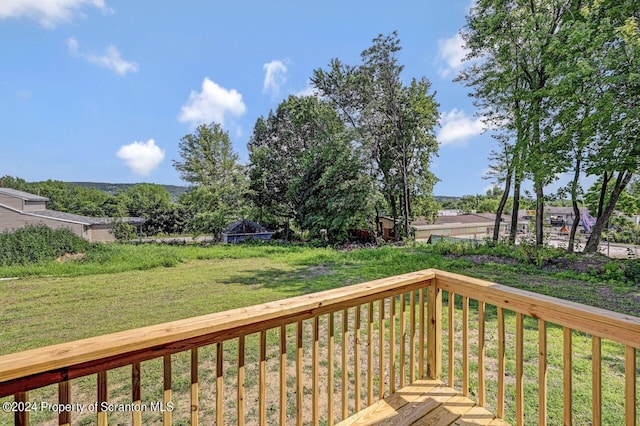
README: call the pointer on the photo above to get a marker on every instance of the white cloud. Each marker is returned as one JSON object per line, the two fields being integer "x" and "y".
{"x": 141, "y": 157}
{"x": 212, "y": 104}
{"x": 456, "y": 128}
{"x": 111, "y": 58}
{"x": 274, "y": 77}
{"x": 452, "y": 52}
{"x": 307, "y": 91}
{"x": 49, "y": 13}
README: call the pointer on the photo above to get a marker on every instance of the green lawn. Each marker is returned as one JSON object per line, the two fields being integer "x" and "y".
{"x": 122, "y": 287}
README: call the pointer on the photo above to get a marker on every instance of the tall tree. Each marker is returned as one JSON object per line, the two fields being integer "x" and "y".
{"x": 613, "y": 52}
{"x": 393, "y": 122}
{"x": 304, "y": 168}
{"x": 211, "y": 165}
{"x": 513, "y": 43}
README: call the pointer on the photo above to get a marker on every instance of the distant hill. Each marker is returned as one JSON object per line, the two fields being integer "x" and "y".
{"x": 442, "y": 198}
{"x": 114, "y": 188}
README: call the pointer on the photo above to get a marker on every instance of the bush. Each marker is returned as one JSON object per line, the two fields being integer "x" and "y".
{"x": 39, "y": 243}
{"x": 632, "y": 270}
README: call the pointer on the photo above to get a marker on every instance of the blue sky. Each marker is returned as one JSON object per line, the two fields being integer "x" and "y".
{"x": 103, "y": 90}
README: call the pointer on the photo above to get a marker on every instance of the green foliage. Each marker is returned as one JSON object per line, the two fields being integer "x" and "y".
{"x": 34, "y": 244}
{"x": 153, "y": 203}
{"x": 209, "y": 162}
{"x": 122, "y": 230}
{"x": 632, "y": 271}
{"x": 304, "y": 168}
{"x": 392, "y": 123}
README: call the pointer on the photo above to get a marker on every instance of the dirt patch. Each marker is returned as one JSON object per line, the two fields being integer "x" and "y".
{"x": 70, "y": 256}
{"x": 481, "y": 259}
{"x": 583, "y": 264}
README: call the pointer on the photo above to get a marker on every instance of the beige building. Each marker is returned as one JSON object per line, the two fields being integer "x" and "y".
{"x": 472, "y": 226}
{"x": 19, "y": 209}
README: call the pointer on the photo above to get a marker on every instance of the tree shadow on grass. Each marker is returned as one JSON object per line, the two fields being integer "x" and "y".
{"x": 301, "y": 280}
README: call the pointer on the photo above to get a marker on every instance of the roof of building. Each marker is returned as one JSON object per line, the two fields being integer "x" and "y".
{"x": 245, "y": 226}
{"x": 86, "y": 220}
{"x": 23, "y": 195}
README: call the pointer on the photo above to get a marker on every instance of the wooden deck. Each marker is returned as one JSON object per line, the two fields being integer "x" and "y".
{"x": 425, "y": 402}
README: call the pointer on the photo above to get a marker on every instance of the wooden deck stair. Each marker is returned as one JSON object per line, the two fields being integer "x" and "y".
{"x": 425, "y": 402}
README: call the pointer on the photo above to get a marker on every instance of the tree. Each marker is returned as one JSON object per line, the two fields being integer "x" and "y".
{"x": 153, "y": 202}
{"x": 613, "y": 53}
{"x": 304, "y": 168}
{"x": 209, "y": 162}
{"x": 513, "y": 43}
{"x": 393, "y": 123}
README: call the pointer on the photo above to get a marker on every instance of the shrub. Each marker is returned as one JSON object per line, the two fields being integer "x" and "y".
{"x": 39, "y": 243}
{"x": 632, "y": 270}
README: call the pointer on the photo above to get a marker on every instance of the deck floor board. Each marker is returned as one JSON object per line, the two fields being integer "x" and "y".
{"x": 424, "y": 403}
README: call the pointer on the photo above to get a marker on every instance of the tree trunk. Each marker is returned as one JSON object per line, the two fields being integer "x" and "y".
{"x": 596, "y": 232}
{"x": 514, "y": 211}
{"x": 503, "y": 202}
{"x": 539, "y": 213}
{"x": 574, "y": 204}
{"x": 603, "y": 192}
{"x": 405, "y": 188}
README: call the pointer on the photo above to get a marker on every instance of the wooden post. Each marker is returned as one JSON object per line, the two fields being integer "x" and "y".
{"x": 21, "y": 417}
{"x": 166, "y": 391}
{"x": 136, "y": 394}
{"x": 194, "y": 387}
{"x": 64, "y": 397}
{"x": 434, "y": 334}
{"x": 102, "y": 397}
{"x": 630, "y": 385}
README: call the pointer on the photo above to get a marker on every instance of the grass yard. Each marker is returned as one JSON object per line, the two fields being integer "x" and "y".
{"x": 122, "y": 287}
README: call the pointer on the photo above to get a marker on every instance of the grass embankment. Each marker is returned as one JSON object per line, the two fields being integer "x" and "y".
{"x": 117, "y": 287}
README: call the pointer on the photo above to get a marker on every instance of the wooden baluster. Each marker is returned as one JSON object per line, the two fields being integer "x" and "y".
{"x": 630, "y": 386}
{"x": 403, "y": 341}
{"x": 136, "y": 394}
{"x": 519, "y": 369}
{"x": 64, "y": 397}
{"x": 465, "y": 346}
{"x": 381, "y": 333}
{"x": 501, "y": 365}
{"x": 101, "y": 398}
{"x": 392, "y": 344}
{"x": 345, "y": 364}
{"x": 299, "y": 379}
{"x": 422, "y": 331}
{"x": 194, "y": 387}
{"x": 21, "y": 417}
{"x": 481, "y": 354}
{"x": 566, "y": 376}
{"x": 262, "y": 381}
{"x": 451, "y": 322}
{"x": 370, "y": 356}
{"x": 434, "y": 356}
{"x": 241, "y": 381}
{"x": 330, "y": 370}
{"x": 283, "y": 374}
{"x": 542, "y": 372}
{"x": 166, "y": 392}
{"x": 315, "y": 374}
{"x": 356, "y": 359}
{"x": 412, "y": 337}
{"x": 596, "y": 381}
{"x": 219, "y": 383}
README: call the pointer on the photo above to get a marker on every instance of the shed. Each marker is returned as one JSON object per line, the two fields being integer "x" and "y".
{"x": 244, "y": 229}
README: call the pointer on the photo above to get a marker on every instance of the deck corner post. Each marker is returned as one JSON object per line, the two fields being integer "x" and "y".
{"x": 434, "y": 331}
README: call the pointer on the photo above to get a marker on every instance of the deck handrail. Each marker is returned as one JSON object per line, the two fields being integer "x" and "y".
{"x": 32, "y": 369}
{"x": 65, "y": 361}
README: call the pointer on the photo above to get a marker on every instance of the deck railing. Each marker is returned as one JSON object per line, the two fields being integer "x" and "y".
{"x": 324, "y": 356}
